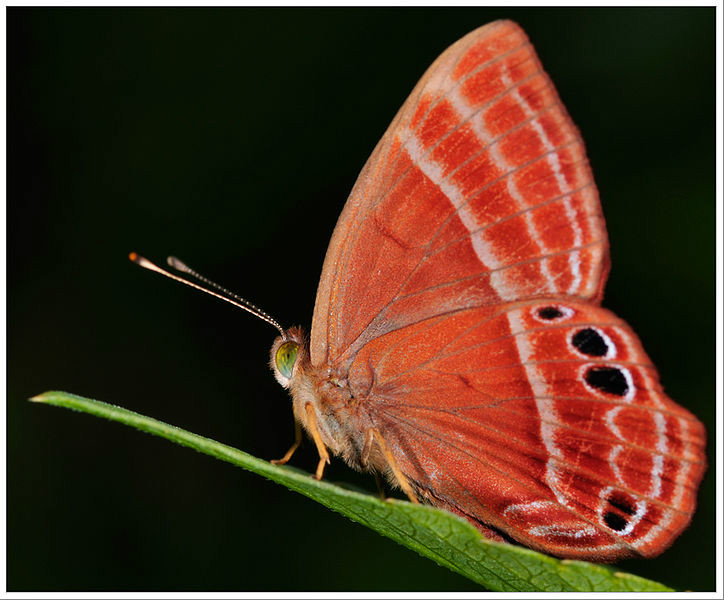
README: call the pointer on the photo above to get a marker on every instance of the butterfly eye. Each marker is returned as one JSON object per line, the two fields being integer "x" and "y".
{"x": 286, "y": 357}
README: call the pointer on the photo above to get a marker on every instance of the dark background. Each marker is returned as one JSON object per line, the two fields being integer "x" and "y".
{"x": 231, "y": 138}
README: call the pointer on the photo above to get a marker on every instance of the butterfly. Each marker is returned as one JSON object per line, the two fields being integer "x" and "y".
{"x": 458, "y": 345}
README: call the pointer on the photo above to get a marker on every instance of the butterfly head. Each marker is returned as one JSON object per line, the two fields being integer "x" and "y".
{"x": 287, "y": 355}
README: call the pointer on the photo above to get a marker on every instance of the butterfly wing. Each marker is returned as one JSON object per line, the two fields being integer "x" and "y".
{"x": 478, "y": 193}
{"x": 459, "y": 304}
{"x": 545, "y": 420}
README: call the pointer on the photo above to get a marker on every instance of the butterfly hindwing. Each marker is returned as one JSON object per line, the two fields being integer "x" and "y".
{"x": 545, "y": 420}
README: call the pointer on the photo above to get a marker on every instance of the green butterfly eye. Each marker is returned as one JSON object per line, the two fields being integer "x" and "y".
{"x": 286, "y": 357}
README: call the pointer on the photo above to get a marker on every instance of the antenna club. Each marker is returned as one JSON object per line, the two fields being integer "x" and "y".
{"x": 174, "y": 262}
{"x": 133, "y": 257}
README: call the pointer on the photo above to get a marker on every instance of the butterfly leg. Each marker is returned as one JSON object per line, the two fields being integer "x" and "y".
{"x": 380, "y": 486}
{"x": 373, "y": 435}
{"x": 297, "y": 441}
{"x": 321, "y": 448}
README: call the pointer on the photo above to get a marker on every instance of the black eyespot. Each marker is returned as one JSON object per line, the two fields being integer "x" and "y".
{"x": 615, "y": 521}
{"x": 590, "y": 342}
{"x": 549, "y": 313}
{"x": 622, "y": 502}
{"x": 607, "y": 379}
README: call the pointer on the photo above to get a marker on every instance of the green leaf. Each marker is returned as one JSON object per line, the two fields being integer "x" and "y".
{"x": 441, "y": 536}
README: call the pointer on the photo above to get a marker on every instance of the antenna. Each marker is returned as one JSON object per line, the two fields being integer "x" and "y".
{"x": 178, "y": 265}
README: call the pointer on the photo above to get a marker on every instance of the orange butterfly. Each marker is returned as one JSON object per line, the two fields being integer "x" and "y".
{"x": 458, "y": 344}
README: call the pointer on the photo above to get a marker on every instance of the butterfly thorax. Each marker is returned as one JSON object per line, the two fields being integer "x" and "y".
{"x": 336, "y": 414}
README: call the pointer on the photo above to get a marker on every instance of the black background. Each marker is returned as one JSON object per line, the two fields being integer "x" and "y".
{"x": 231, "y": 138}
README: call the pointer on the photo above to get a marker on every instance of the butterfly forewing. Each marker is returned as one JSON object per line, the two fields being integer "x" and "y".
{"x": 478, "y": 193}
{"x": 458, "y": 306}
